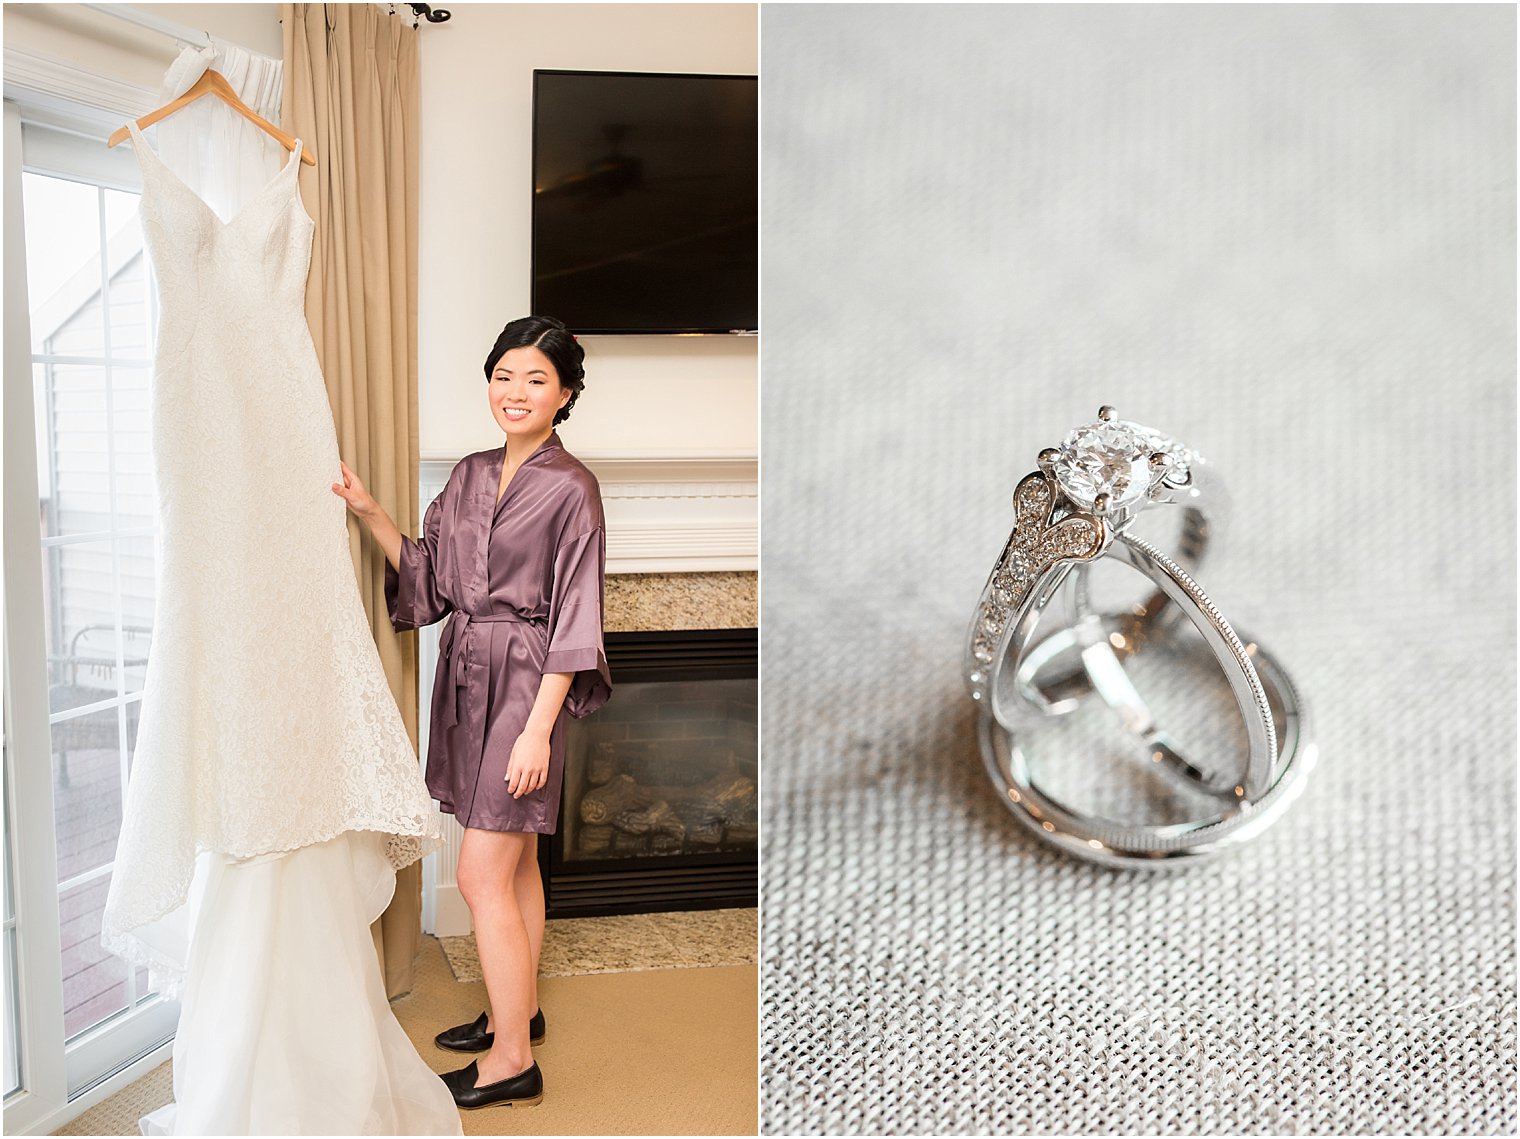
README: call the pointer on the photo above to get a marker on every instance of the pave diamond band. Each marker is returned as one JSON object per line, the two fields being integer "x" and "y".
{"x": 1037, "y": 545}
{"x": 1076, "y": 510}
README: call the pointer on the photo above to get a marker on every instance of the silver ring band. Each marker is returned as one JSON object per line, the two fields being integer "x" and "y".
{"x": 1075, "y": 509}
{"x": 1131, "y": 846}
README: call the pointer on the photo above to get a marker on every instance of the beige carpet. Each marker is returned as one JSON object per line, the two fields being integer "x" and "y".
{"x": 654, "y": 1052}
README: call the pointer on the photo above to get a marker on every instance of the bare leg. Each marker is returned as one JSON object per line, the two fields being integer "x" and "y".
{"x": 488, "y": 862}
{"x": 529, "y": 888}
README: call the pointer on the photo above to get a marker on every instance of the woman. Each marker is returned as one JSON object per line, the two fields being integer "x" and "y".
{"x": 513, "y": 551}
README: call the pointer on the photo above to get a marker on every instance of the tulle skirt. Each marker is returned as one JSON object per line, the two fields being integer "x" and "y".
{"x": 284, "y": 1025}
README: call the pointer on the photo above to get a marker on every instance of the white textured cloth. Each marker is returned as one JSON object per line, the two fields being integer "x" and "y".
{"x": 267, "y": 723}
{"x": 1285, "y": 235}
{"x": 285, "y": 1028}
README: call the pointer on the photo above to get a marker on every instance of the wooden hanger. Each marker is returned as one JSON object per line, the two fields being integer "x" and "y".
{"x": 212, "y": 83}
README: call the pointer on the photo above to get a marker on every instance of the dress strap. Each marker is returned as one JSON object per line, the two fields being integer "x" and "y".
{"x": 140, "y": 145}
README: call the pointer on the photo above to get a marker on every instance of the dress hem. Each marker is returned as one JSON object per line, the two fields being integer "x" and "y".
{"x": 122, "y": 941}
{"x": 502, "y": 826}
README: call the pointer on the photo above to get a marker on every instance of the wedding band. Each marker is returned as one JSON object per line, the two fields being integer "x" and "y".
{"x": 1077, "y": 508}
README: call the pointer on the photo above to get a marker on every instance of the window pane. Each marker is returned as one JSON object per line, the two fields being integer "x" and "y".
{"x": 121, "y": 209}
{"x": 129, "y": 299}
{"x": 87, "y": 790}
{"x": 134, "y": 716}
{"x": 134, "y": 562}
{"x": 94, "y": 982}
{"x": 79, "y": 602}
{"x": 74, "y": 452}
{"x": 63, "y": 265}
{"x": 132, "y": 446}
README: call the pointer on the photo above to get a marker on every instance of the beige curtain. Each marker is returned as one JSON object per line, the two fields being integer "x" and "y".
{"x": 351, "y": 96}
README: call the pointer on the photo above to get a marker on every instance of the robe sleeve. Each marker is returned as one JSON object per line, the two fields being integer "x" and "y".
{"x": 412, "y": 594}
{"x": 575, "y": 621}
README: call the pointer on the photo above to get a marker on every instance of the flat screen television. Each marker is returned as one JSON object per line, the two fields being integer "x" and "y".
{"x": 646, "y": 201}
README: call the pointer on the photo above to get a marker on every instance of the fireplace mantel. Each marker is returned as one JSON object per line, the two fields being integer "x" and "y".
{"x": 666, "y": 513}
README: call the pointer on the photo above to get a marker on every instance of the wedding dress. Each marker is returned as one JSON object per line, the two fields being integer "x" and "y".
{"x": 273, "y": 782}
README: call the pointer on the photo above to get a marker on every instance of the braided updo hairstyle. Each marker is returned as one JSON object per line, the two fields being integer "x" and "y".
{"x": 554, "y": 340}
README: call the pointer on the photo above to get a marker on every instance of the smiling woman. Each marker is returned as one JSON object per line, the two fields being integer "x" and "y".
{"x": 535, "y": 373}
{"x": 513, "y": 552}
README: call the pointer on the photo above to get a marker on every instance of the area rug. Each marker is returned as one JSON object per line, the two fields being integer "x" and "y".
{"x": 630, "y": 942}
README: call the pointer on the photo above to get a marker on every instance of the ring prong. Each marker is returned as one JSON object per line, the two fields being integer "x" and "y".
{"x": 1107, "y": 413}
{"x": 1160, "y": 460}
{"x": 1100, "y": 506}
{"x": 1047, "y": 457}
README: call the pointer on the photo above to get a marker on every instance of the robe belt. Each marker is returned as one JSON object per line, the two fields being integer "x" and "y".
{"x": 466, "y": 668}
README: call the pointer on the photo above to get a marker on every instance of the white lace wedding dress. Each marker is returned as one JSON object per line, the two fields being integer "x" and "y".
{"x": 274, "y": 790}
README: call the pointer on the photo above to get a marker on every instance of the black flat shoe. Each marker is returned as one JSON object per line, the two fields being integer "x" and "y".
{"x": 525, "y": 1088}
{"x": 473, "y": 1037}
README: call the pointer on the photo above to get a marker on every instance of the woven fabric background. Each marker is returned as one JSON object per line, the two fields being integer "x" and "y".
{"x": 1286, "y": 235}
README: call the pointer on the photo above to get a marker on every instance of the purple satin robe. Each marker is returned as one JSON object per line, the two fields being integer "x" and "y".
{"x": 520, "y": 581}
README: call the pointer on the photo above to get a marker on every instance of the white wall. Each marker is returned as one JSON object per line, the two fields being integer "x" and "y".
{"x": 669, "y": 395}
{"x": 253, "y": 26}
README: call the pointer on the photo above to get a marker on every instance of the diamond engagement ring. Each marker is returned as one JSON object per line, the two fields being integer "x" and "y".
{"x": 1076, "y": 511}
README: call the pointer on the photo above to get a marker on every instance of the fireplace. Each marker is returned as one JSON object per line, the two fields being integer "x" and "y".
{"x": 660, "y": 803}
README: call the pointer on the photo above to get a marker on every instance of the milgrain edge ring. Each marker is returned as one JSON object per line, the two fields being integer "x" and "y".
{"x": 1075, "y": 509}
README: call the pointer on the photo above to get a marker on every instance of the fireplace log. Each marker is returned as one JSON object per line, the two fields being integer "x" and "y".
{"x": 658, "y": 818}
{"x": 744, "y": 824}
{"x": 742, "y": 834}
{"x": 612, "y": 799}
{"x": 624, "y": 843}
{"x": 707, "y": 832}
{"x": 593, "y": 840}
{"x": 729, "y": 786}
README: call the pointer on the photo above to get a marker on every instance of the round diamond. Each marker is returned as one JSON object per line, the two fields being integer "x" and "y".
{"x": 1111, "y": 458}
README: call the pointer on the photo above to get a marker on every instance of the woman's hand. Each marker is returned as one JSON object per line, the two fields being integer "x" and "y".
{"x": 371, "y": 513}
{"x": 528, "y": 767}
{"x": 352, "y": 491}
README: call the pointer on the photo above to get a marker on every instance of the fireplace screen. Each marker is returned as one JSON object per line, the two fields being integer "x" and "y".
{"x": 666, "y": 769}
{"x": 660, "y": 810}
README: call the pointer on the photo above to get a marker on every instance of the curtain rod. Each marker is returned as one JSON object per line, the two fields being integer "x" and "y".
{"x": 181, "y": 32}
{"x": 426, "y": 12}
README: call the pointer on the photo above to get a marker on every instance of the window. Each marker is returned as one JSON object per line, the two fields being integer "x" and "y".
{"x": 92, "y": 319}
{"x": 80, "y": 1014}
